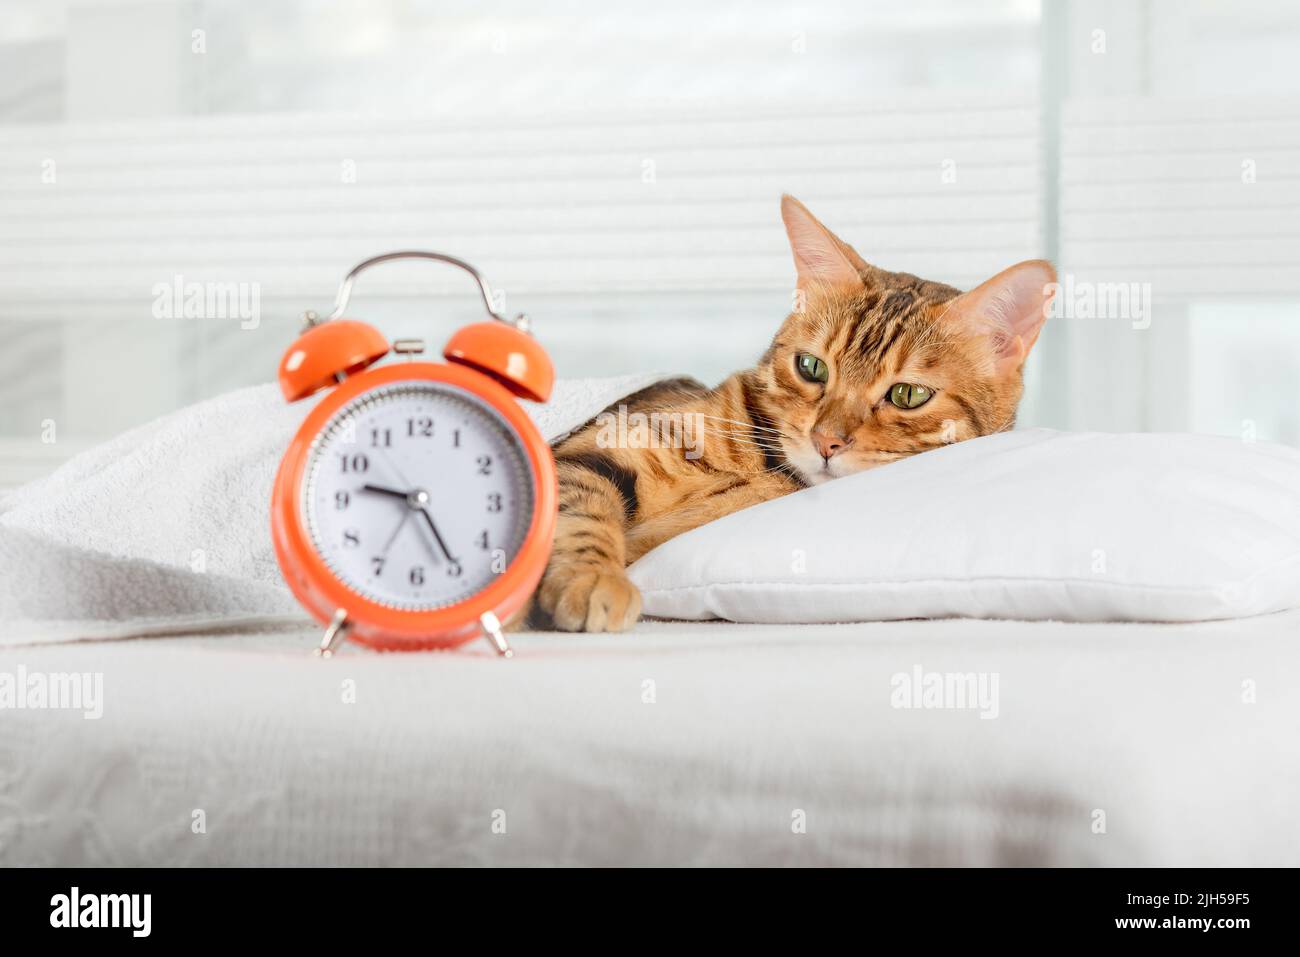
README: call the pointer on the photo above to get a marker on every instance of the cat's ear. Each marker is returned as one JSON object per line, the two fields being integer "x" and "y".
{"x": 1010, "y": 309}
{"x": 822, "y": 261}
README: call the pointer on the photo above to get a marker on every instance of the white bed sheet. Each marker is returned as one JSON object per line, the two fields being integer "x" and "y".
{"x": 750, "y": 727}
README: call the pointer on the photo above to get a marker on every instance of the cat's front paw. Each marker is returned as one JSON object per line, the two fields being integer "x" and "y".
{"x": 591, "y": 601}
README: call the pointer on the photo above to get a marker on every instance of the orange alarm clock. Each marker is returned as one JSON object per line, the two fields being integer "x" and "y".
{"x": 415, "y": 507}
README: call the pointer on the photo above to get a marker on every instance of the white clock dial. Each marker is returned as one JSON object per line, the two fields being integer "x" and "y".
{"x": 417, "y": 495}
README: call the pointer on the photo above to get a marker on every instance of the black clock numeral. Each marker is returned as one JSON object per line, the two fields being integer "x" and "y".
{"x": 354, "y": 463}
{"x": 417, "y": 575}
{"x": 378, "y": 562}
{"x": 381, "y": 438}
{"x": 494, "y": 502}
{"x": 482, "y": 540}
{"x": 421, "y": 427}
{"x": 455, "y": 438}
{"x": 351, "y": 538}
{"x": 485, "y": 465}
{"x": 342, "y": 500}
{"x": 454, "y": 570}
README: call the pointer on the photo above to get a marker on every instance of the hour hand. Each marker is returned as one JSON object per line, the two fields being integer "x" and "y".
{"x": 379, "y": 489}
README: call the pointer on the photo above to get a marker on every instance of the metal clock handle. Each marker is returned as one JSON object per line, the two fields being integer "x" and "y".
{"x": 344, "y": 294}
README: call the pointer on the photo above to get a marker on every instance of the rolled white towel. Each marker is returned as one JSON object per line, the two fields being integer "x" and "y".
{"x": 165, "y": 528}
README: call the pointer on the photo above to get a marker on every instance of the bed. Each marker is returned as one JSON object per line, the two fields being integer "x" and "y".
{"x": 680, "y": 743}
{"x": 146, "y": 564}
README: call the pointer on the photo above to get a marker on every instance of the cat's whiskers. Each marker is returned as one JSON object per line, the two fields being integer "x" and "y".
{"x": 755, "y": 446}
{"x": 1007, "y": 423}
{"x": 742, "y": 441}
{"x": 745, "y": 425}
{"x": 790, "y": 427}
{"x": 759, "y": 445}
{"x": 742, "y": 433}
{"x": 785, "y": 467}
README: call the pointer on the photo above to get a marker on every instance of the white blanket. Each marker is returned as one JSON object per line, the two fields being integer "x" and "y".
{"x": 165, "y": 529}
{"x": 691, "y": 743}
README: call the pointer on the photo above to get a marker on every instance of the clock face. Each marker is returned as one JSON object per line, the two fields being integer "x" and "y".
{"x": 417, "y": 495}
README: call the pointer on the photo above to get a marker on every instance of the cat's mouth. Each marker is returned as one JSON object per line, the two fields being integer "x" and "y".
{"x": 815, "y": 470}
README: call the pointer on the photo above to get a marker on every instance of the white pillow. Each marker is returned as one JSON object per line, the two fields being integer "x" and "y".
{"x": 1033, "y": 524}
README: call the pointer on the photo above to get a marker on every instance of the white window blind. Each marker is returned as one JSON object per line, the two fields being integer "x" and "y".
{"x": 1197, "y": 199}
{"x": 574, "y": 204}
{"x": 619, "y": 234}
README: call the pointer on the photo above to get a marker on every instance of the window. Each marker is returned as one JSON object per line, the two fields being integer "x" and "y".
{"x": 617, "y": 172}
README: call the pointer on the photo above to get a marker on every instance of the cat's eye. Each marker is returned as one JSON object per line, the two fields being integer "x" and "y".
{"x": 908, "y": 395}
{"x": 811, "y": 369}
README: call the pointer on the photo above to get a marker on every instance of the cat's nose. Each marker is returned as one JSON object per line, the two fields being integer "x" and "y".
{"x": 828, "y": 445}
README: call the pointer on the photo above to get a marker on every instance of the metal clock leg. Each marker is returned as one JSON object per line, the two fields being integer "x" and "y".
{"x": 334, "y": 635}
{"x": 492, "y": 632}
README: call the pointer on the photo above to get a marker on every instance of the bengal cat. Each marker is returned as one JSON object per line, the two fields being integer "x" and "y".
{"x": 871, "y": 366}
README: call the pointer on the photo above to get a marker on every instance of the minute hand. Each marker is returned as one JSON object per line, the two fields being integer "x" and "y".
{"x": 434, "y": 528}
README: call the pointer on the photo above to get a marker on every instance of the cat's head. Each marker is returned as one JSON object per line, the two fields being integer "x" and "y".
{"x": 872, "y": 366}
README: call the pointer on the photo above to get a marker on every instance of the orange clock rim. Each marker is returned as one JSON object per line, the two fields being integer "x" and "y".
{"x": 321, "y": 592}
